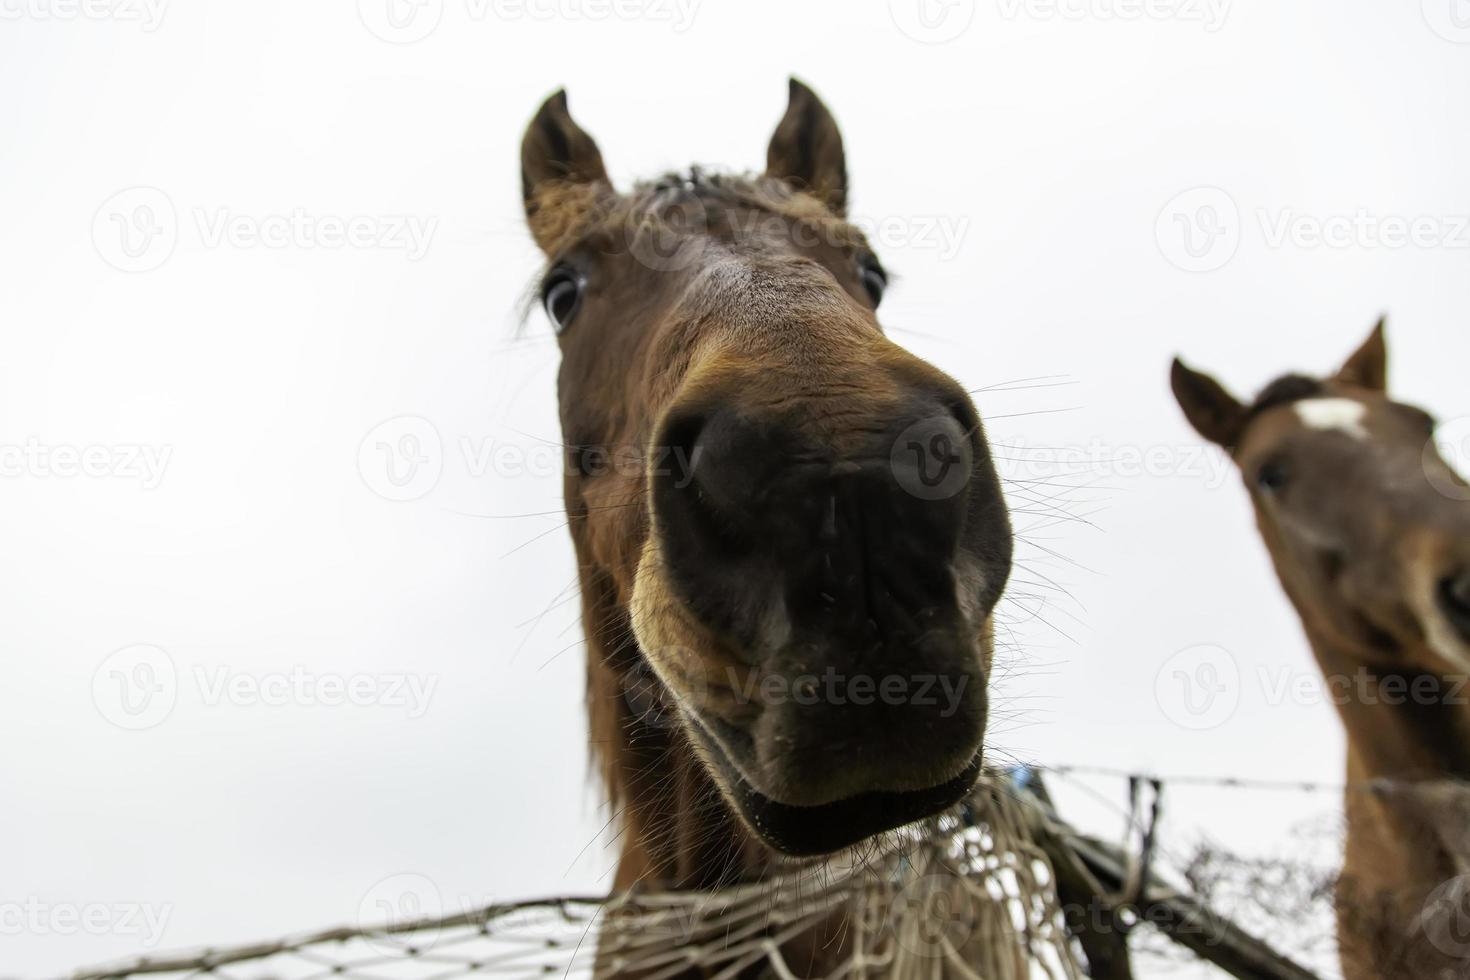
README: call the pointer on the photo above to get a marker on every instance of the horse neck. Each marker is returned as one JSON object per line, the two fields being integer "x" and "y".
{"x": 1403, "y": 724}
{"x": 1408, "y": 747}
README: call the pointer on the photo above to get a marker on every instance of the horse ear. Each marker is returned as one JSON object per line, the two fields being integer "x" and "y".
{"x": 1214, "y": 412}
{"x": 557, "y": 156}
{"x": 1368, "y": 367}
{"x": 806, "y": 150}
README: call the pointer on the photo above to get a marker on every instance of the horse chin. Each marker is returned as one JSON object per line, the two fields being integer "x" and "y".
{"x": 824, "y": 829}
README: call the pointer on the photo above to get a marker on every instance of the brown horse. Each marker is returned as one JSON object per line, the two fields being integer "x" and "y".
{"x": 790, "y": 532}
{"x": 1369, "y": 530}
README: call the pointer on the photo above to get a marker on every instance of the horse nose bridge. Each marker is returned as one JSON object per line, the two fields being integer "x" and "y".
{"x": 831, "y": 398}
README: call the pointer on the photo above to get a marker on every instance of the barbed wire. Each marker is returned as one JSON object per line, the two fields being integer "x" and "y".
{"x": 1377, "y": 785}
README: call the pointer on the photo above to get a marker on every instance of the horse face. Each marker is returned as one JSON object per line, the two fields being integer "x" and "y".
{"x": 800, "y": 519}
{"x": 1368, "y": 525}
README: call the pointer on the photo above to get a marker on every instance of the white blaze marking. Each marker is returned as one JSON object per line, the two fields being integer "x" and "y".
{"x": 1341, "y": 414}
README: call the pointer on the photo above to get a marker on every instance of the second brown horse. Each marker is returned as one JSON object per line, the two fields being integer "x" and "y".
{"x": 1369, "y": 530}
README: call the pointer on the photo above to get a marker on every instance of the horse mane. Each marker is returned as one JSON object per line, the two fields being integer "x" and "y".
{"x": 571, "y": 213}
{"x": 1284, "y": 390}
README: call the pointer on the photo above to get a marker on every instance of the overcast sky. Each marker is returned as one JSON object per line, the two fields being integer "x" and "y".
{"x": 254, "y": 679}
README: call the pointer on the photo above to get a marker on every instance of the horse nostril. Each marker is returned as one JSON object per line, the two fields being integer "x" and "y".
{"x": 707, "y": 490}
{"x": 719, "y": 459}
{"x": 1454, "y": 600}
{"x": 676, "y": 458}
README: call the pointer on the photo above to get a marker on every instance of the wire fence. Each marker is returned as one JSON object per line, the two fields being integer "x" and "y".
{"x": 968, "y": 894}
{"x": 1001, "y": 888}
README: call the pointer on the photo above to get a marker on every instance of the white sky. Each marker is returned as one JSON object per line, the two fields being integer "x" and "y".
{"x": 1023, "y": 176}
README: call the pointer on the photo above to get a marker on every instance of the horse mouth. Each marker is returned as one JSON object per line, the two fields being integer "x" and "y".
{"x": 812, "y": 831}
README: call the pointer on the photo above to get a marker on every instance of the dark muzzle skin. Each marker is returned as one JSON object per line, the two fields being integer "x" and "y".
{"x": 1454, "y": 600}
{"x": 852, "y": 566}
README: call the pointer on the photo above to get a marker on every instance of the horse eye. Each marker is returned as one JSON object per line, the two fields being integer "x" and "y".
{"x": 875, "y": 280}
{"x": 1272, "y": 477}
{"x": 561, "y": 296}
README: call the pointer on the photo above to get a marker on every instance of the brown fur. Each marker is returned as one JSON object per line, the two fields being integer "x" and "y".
{"x": 1362, "y": 534}
{"x": 702, "y": 292}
